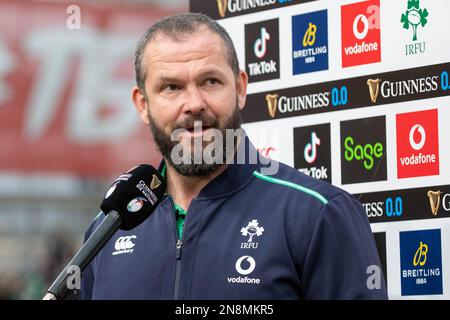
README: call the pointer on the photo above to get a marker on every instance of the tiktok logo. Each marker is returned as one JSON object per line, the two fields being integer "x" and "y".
{"x": 310, "y": 152}
{"x": 260, "y": 46}
{"x": 262, "y": 50}
{"x": 308, "y": 158}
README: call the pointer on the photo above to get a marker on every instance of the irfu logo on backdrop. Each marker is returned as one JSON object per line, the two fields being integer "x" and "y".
{"x": 414, "y": 18}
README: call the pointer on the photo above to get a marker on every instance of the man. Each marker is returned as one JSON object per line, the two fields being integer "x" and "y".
{"x": 226, "y": 230}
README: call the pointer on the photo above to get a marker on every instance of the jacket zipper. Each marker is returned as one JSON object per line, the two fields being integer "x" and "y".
{"x": 179, "y": 244}
{"x": 177, "y": 270}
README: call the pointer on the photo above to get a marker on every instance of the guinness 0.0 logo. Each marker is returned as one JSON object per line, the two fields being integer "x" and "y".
{"x": 374, "y": 89}
{"x": 272, "y": 101}
{"x": 435, "y": 198}
{"x": 222, "y": 7}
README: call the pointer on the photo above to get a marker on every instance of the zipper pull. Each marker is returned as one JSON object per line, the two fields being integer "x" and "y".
{"x": 179, "y": 244}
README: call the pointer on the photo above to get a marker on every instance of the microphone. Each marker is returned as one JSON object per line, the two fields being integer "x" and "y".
{"x": 130, "y": 199}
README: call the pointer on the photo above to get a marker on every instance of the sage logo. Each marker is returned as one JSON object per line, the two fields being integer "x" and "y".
{"x": 421, "y": 262}
{"x": 310, "y": 42}
{"x": 262, "y": 50}
{"x": 417, "y": 144}
{"x": 413, "y": 18}
{"x": 312, "y": 151}
{"x": 363, "y": 150}
{"x": 360, "y": 33}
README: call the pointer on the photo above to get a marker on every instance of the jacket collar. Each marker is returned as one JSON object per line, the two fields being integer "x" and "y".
{"x": 245, "y": 161}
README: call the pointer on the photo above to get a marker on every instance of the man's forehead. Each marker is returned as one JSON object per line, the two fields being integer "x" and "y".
{"x": 184, "y": 46}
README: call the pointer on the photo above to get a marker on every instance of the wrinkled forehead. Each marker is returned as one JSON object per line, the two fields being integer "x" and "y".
{"x": 185, "y": 47}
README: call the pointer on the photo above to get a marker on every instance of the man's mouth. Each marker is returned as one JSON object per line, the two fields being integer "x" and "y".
{"x": 198, "y": 128}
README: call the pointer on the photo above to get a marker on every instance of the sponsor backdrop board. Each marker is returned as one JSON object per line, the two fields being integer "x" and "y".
{"x": 357, "y": 93}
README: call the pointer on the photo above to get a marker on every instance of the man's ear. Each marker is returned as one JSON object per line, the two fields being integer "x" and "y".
{"x": 241, "y": 88}
{"x": 141, "y": 104}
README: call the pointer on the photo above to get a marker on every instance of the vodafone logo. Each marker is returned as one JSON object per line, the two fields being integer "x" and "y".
{"x": 245, "y": 265}
{"x": 417, "y": 144}
{"x": 247, "y": 270}
{"x": 360, "y": 18}
{"x": 417, "y": 128}
{"x": 361, "y": 39}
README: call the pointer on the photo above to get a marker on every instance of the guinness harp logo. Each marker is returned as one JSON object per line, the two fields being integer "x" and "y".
{"x": 374, "y": 89}
{"x": 435, "y": 198}
{"x": 272, "y": 101}
{"x": 222, "y": 7}
{"x": 155, "y": 182}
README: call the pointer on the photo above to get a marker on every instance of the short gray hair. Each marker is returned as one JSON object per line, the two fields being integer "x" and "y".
{"x": 174, "y": 27}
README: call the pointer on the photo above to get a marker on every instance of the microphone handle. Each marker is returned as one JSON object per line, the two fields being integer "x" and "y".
{"x": 84, "y": 256}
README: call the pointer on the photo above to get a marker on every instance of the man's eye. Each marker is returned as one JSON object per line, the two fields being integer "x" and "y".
{"x": 170, "y": 87}
{"x": 212, "y": 82}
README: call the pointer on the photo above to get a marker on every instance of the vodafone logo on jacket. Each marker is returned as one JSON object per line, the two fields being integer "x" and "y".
{"x": 360, "y": 33}
{"x": 417, "y": 144}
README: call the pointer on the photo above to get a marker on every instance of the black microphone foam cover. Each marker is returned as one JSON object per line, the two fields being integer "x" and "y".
{"x": 135, "y": 195}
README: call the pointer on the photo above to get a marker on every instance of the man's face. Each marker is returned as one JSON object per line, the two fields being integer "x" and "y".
{"x": 189, "y": 81}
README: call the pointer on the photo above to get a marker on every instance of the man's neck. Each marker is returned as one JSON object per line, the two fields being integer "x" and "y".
{"x": 183, "y": 189}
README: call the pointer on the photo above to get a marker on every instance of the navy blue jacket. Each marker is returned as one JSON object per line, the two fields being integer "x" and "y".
{"x": 247, "y": 235}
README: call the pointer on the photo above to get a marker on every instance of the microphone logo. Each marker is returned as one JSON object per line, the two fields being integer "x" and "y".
{"x": 155, "y": 182}
{"x": 136, "y": 204}
{"x": 111, "y": 190}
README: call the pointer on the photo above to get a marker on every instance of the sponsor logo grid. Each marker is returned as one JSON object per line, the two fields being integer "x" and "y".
{"x": 415, "y": 135}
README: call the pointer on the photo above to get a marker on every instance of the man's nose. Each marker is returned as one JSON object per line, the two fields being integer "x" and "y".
{"x": 194, "y": 102}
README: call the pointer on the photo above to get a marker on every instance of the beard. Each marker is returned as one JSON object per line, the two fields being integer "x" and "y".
{"x": 212, "y": 154}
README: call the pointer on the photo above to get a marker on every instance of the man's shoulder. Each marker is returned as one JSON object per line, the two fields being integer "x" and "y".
{"x": 300, "y": 184}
